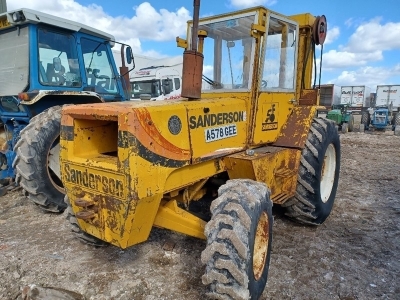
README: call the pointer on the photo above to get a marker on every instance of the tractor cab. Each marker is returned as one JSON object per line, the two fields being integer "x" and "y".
{"x": 42, "y": 56}
{"x": 46, "y": 61}
{"x": 343, "y": 118}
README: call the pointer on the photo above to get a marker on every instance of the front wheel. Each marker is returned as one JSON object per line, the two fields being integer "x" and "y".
{"x": 318, "y": 175}
{"x": 239, "y": 237}
{"x": 37, "y": 161}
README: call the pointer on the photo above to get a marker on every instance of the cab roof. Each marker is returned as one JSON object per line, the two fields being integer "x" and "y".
{"x": 30, "y": 16}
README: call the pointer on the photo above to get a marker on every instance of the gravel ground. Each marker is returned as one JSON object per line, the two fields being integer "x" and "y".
{"x": 355, "y": 254}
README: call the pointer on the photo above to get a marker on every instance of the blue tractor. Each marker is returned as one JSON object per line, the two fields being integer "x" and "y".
{"x": 380, "y": 119}
{"x": 47, "y": 62}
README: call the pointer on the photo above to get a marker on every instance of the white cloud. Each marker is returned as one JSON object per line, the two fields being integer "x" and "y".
{"x": 332, "y": 35}
{"x": 365, "y": 45}
{"x": 145, "y": 23}
{"x": 250, "y": 3}
{"x": 373, "y": 36}
{"x": 369, "y": 76}
{"x": 344, "y": 59}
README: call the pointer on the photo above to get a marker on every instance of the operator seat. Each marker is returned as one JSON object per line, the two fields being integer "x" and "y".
{"x": 53, "y": 76}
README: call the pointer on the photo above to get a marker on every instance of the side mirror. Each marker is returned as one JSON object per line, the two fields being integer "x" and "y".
{"x": 128, "y": 55}
{"x": 230, "y": 44}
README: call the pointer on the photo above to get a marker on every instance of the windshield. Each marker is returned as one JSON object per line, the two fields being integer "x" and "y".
{"x": 100, "y": 74}
{"x": 151, "y": 87}
{"x": 228, "y": 53}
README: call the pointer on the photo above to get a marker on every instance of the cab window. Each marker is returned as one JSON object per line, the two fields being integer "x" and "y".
{"x": 58, "y": 61}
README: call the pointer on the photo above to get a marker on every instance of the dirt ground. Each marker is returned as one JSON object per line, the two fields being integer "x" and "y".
{"x": 355, "y": 254}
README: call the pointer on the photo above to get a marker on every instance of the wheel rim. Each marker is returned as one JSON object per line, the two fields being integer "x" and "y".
{"x": 52, "y": 173}
{"x": 260, "y": 245}
{"x": 328, "y": 173}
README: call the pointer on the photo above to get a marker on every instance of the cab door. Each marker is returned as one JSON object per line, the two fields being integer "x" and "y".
{"x": 277, "y": 78}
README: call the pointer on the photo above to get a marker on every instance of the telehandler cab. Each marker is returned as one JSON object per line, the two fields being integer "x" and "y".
{"x": 210, "y": 165}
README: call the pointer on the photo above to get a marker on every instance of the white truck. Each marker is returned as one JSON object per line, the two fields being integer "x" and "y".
{"x": 389, "y": 96}
{"x": 157, "y": 83}
{"x": 358, "y": 97}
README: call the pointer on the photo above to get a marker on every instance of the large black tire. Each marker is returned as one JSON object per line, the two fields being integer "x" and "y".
{"x": 397, "y": 120}
{"x": 31, "y": 163}
{"x": 318, "y": 175}
{"x": 77, "y": 231}
{"x": 365, "y": 119}
{"x": 239, "y": 237}
{"x": 351, "y": 123}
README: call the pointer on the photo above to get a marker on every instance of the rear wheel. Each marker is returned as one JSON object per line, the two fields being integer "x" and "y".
{"x": 397, "y": 119}
{"x": 239, "y": 237}
{"x": 318, "y": 176}
{"x": 351, "y": 123}
{"x": 345, "y": 128}
{"x": 365, "y": 119}
{"x": 37, "y": 160}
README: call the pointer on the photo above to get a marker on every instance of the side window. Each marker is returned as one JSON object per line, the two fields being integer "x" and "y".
{"x": 167, "y": 86}
{"x": 99, "y": 72}
{"x": 280, "y": 55}
{"x": 58, "y": 61}
{"x": 177, "y": 82}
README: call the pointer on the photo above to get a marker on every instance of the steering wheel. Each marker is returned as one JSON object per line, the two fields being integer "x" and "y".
{"x": 264, "y": 83}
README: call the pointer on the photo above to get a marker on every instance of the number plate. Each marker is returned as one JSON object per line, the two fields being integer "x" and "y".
{"x": 219, "y": 133}
{"x": 3, "y": 22}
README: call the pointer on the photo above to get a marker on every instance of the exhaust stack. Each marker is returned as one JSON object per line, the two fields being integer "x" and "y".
{"x": 192, "y": 69}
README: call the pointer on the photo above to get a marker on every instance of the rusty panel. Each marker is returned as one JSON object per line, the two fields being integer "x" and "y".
{"x": 192, "y": 71}
{"x": 309, "y": 97}
{"x": 294, "y": 132}
{"x": 276, "y": 167}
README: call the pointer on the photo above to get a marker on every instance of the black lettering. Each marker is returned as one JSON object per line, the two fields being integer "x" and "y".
{"x": 225, "y": 118}
{"x": 208, "y": 135}
{"x": 91, "y": 181}
{"x": 79, "y": 177}
{"x": 104, "y": 181}
{"x": 213, "y": 120}
{"x": 231, "y": 130}
{"x": 234, "y": 130}
{"x": 235, "y": 116}
{"x": 219, "y": 121}
{"x": 212, "y": 134}
{"x": 67, "y": 174}
{"x": 192, "y": 121}
{"x": 221, "y": 132}
{"x": 230, "y": 117}
{"x": 226, "y": 131}
{"x": 200, "y": 122}
{"x": 112, "y": 186}
{"x": 207, "y": 120}
{"x": 120, "y": 188}
{"x": 97, "y": 179}
{"x": 73, "y": 176}
{"x": 85, "y": 178}
{"x": 241, "y": 116}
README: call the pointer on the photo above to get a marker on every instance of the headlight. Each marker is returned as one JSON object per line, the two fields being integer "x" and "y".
{"x": 18, "y": 16}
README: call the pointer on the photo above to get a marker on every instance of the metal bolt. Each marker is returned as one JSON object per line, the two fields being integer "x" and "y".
{"x": 250, "y": 152}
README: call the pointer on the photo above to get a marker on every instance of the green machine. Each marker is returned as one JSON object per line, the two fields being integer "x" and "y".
{"x": 342, "y": 117}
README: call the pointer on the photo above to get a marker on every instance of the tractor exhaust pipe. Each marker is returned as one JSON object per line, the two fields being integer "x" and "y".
{"x": 192, "y": 69}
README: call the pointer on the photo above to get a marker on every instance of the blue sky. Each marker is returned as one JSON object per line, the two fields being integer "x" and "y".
{"x": 363, "y": 45}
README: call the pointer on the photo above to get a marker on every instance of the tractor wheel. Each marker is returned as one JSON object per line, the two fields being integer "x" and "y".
{"x": 351, "y": 123}
{"x": 37, "y": 160}
{"x": 365, "y": 119}
{"x": 397, "y": 120}
{"x": 77, "y": 231}
{"x": 318, "y": 176}
{"x": 239, "y": 237}
{"x": 345, "y": 128}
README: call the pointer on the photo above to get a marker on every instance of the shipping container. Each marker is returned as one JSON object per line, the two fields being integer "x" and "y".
{"x": 329, "y": 95}
{"x": 389, "y": 96}
{"x": 357, "y": 96}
